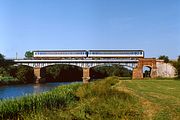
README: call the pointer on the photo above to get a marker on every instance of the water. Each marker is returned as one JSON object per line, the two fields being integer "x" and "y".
{"x": 12, "y": 91}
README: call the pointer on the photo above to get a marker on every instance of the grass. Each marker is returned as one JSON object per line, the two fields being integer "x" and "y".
{"x": 8, "y": 80}
{"x": 107, "y": 99}
{"x": 57, "y": 98}
{"x": 160, "y": 99}
{"x": 97, "y": 100}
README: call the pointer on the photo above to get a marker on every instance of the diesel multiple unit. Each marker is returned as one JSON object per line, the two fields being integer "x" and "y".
{"x": 82, "y": 54}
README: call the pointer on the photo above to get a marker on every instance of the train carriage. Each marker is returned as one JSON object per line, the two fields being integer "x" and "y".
{"x": 116, "y": 53}
{"x": 59, "y": 54}
{"x": 91, "y": 54}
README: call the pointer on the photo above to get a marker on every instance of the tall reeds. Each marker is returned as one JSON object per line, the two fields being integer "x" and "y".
{"x": 57, "y": 98}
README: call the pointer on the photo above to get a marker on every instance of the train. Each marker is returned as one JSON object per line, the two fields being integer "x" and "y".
{"x": 94, "y": 54}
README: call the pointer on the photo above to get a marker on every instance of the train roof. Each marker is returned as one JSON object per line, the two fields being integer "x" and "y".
{"x": 115, "y": 50}
{"x": 59, "y": 51}
{"x": 86, "y": 50}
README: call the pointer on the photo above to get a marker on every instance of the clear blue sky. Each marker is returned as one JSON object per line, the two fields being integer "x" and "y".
{"x": 151, "y": 25}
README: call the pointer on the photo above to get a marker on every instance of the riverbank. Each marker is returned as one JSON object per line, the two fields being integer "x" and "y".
{"x": 109, "y": 98}
{"x": 55, "y": 99}
{"x": 9, "y": 81}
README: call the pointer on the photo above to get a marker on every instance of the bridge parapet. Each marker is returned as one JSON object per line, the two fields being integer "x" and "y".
{"x": 80, "y": 63}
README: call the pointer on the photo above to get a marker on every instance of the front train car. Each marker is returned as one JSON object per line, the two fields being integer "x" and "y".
{"x": 59, "y": 54}
{"x": 131, "y": 54}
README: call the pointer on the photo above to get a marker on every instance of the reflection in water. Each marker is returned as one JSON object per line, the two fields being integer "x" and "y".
{"x": 20, "y": 90}
{"x": 38, "y": 88}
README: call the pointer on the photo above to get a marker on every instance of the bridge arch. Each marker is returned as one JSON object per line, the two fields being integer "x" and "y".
{"x": 96, "y": 73}
{"x": 24, "y": 73}
{"x": 61, "y": 72}
{"x": 149, "y": 62}
{"x": 147, "y": 71}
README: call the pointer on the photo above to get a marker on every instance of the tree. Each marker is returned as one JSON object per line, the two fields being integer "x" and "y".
{"x": 176, "y": 64}
{"x": 165, "y": 58}
{"x": 29, "y": 54}
{"x": 178, "y": 59}
{"x": 112, "y": 70}
{"x": 1, "y": 56}
{"x": 63, "y": 73}
{"x": 2, "y": 60}
{"x": 25, "y": 74}
{"x": 5, "y": 66}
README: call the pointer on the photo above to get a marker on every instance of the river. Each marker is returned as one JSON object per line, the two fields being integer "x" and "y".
{"x": 12, "y": 91}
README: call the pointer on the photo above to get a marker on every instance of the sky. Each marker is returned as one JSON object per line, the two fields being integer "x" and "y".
{"x": 150, "y": 25}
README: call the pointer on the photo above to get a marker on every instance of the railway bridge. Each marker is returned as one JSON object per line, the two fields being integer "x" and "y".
{"x": 136, "y": 65}
{"x": 91, "y": 58}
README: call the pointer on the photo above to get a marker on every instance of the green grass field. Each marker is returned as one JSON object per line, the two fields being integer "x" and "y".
{"x": 160, "y": 99}
{"x": 107, "y": 99}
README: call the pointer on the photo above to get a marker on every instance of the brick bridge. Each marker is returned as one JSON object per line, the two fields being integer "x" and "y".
{"x": 156, "y": 66}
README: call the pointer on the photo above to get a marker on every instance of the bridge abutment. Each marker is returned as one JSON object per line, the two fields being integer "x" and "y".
{"x": 149, "y": 62}
{"x": 86, "y": 75}
{"x": 137, "y": 73}
{"x": 37, "y": 73}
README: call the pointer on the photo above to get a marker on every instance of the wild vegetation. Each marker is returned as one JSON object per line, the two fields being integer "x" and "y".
{"x": 28, "y": 55}
{"x": 20, "y": 74}
{"x": 177, "y": 66}
{"x": 165, "y": 58}
{"x": 56, "y": 99}
{"x": 109, "y": 98}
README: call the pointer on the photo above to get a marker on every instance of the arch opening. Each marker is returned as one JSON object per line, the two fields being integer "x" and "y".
{"x": 105, "y": 70}
{"x": 61, "y": 73}
{"x": 147, "y": 71}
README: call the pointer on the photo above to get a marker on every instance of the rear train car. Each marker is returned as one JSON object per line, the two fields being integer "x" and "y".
{"x": 116, "y": 54}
